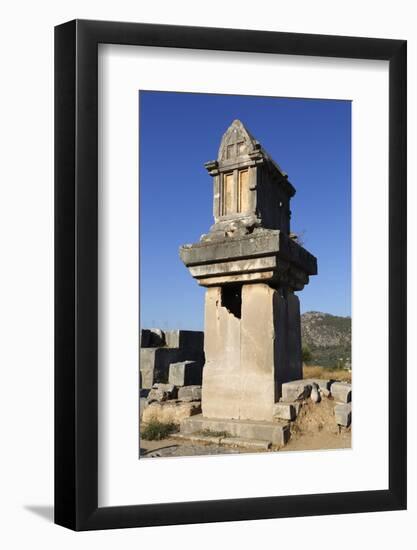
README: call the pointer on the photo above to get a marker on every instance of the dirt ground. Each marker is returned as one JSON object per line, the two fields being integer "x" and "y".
{"x": 314, "y": 429}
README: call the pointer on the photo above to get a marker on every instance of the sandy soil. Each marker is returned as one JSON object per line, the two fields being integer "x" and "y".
{"x": 315, "y": 429}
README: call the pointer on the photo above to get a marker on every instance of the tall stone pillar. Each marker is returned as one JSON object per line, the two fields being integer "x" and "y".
{"x": 251, "y": 265}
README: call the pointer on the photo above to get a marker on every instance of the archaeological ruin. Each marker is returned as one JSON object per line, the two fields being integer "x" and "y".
{"x": 250, "y": 264}
{"x": 243, "y": 377}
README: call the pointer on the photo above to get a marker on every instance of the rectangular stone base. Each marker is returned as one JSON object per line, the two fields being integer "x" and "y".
{"x": 277, "y": 433}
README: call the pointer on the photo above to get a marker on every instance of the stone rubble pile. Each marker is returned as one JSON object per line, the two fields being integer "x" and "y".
{"x": 171, "y": 371}
{"x": 295, "y": 392}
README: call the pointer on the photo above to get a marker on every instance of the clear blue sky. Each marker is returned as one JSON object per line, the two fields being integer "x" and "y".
{"x": 310, "y": 139}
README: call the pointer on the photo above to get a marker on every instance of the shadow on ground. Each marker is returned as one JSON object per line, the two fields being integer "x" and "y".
{"x": 45, "y": 512}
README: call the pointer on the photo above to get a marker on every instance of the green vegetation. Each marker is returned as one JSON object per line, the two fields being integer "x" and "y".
{"x": 155, "y": 430}
{"x": 326, "y": 340}
{"x": 307, "y": 355}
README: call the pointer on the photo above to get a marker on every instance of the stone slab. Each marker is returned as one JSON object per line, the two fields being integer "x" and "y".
{"x": 276, "y": 432}
{"x": 154, "y": 364}
{"x": 162, "y": 392}
{"x": 296, "y": 404}
{"x": 199, "y": 438}
{"x": 186, "y": 373}
{"x": 341, "y": 392}
{"x": 284, "y": 411}
{"x": 262, "y": 243}
{"x": 170, "y": 411}
{"x": 234, "y": 278}
{"x": 343, "y": 414}
{"x": 189, "y": 393}
{"x": 257, "y": 444}
{"x": 233, "y": 267}
{"x": 295, "y": 390}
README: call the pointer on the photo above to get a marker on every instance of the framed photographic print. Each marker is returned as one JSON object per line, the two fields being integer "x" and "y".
{"x": 230, "y": 275}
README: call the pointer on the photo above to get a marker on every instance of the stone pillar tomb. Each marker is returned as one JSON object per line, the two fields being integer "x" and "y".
{"x": 251, "y": 265}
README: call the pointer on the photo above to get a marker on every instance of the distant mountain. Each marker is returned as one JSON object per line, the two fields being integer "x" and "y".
{"x": 326, "y": 339}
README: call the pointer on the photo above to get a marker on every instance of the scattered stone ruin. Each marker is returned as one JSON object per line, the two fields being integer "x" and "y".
{"x": 251, "y": 386}
{"x": 171, "y": 366}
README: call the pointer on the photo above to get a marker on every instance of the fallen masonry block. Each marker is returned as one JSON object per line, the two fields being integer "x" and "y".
{"x": 190, "y": 340}
{"x": 152, "y": 338}
{"x": 322, "y": 383}
{"x": 189, "y": 393}
{"x": 284, "y": 411}
{"x": 170, "y": 411}
{"x": 296, "y": 404}
{"x": 297, "y": 389}
{"x": 343, "y": 414}
{"x": 162, "y": 392}
{"x": 341, "y": 391}
{"x": 186, "y": 373}
{"x": 154, "y": 364}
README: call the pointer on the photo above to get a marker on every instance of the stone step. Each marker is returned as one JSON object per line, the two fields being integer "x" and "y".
{"x": 278, "y": 432}
{"x": 198, "y": 438}
{"x": 258, "y": 444}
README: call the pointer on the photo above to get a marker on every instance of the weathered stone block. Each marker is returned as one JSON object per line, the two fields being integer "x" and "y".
{"x": 262, "y": 243}
{"x": 189, "y": 393}
{"x": 341, "y": 391}
{"x": 190, "y": 340}
{"x": 154, "y": 364}
{"x": 152, "y": 338}
{"x": 277, "y": 432}
{"x": 322, "y": 384}
{"x": 170, "y": 411}
{"x": 186, "y": 373}
{"x": 296, "y": 404}
{"x": 295, "y": 390}
{"x": 343, "y": 414}
{"x": 162, "y": 392}
{"x": 284, "y": 411}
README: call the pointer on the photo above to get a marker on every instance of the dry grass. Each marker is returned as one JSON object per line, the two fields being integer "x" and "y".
{"x": 155, "y": 430}
{"x": 324, "y": 373}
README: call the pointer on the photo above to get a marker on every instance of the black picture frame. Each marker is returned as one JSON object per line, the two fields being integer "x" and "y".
{"x": 76, "y": 272}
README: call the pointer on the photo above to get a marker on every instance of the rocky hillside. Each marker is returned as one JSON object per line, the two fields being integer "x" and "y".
{"x": 326, "y": 339}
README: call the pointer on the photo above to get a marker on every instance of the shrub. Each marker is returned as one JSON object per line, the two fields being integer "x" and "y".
{"x": 155, "y": 430}
{"x": 306, "y": 354}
